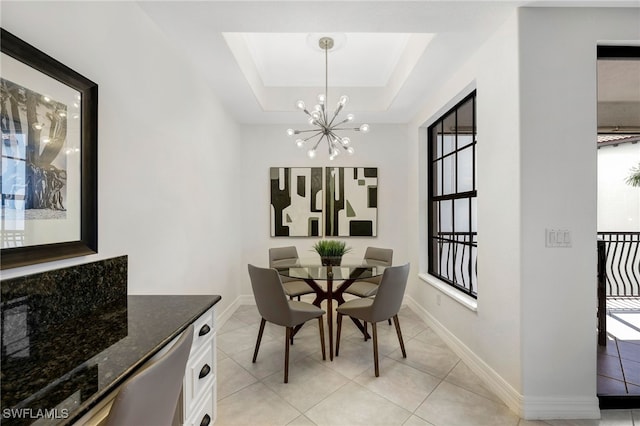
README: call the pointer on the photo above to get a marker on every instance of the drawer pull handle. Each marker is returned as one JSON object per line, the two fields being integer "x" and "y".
{"x": 204, "y": 372}
{"x": 205, "y": 420}
{"x": 204, "y": 330}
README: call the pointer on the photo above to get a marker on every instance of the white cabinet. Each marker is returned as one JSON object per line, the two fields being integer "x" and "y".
{"x": 199, "y": 387}
{"x": 197, "y": 403}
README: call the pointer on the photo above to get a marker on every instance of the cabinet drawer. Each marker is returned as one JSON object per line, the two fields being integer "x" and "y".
{"x": 205, "y": 412}
{"x": 203, "y": 329}
{"x": 201, "y": 371}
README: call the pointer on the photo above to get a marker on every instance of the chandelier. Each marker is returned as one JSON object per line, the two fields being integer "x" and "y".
{"x": 325, "y": 124}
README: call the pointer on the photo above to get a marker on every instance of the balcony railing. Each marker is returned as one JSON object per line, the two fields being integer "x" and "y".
{"x": 456, "y": 264}
{"x": 618, "y": 272}
{"x": 622, "y": 263}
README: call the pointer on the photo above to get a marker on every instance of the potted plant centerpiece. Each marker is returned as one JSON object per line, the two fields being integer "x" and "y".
{"x": 331, "y": 251}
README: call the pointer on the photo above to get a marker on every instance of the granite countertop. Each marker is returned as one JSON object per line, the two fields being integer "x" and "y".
{"x": 69, "y": 366}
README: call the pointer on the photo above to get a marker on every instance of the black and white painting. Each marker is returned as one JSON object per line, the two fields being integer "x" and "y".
{"x": 351, "y": 202}
{"x": 38, "y": 152}
{"x": 34, "y": 167}
{"x": 48, "y": 181}
{"x": 296, "y": 201}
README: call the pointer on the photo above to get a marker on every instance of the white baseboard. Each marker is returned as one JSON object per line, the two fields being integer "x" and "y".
{"x": 529, "y": 408}
{"x": 545, "y": 408}
{"x": 223, "y": 317}
{"x": 247, "y": 299}
{"x": 492, "y": 380}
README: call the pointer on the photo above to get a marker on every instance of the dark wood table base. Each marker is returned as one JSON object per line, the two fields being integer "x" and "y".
{"x": 330, "y": 295}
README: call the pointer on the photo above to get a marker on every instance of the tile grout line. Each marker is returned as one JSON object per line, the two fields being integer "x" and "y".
{"x": 624, "y": 377}
{"x": 243, "y": 387}
{"x": 302, "y": 415}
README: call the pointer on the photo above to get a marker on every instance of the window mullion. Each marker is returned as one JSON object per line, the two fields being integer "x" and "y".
{"x": 452, "y": 247}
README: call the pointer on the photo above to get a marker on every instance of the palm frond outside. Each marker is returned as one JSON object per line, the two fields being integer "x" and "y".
{"x": 634, "y": 178}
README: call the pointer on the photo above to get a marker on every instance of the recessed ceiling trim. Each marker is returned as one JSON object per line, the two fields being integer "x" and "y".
{"x": 375, "y": 82}
{"x": 238, "y": 48}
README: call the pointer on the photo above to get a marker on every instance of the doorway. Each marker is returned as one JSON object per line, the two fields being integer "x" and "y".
{"x": 619, "y": 226}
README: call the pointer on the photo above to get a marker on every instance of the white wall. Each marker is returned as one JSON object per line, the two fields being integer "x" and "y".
{"x": 384, "y": 147}
{"x": 489, "y": 339}
{"x": 618, "y": 202}
{"x": 533, "y": 335}
{"x": 168, "y": 153}
{"x": 558, "y": 189}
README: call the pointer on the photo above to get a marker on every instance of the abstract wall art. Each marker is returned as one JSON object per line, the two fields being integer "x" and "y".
{"x": 315, "y": 202}
{"x": 296, "y": 201}
{"x": 351, "y": 208}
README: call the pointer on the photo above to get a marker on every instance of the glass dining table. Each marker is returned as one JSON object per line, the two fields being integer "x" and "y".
{"x": 346, "y": 274}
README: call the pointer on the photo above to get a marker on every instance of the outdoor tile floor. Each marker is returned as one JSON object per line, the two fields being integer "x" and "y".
{"x": 432, "y": 386}
{"x": 619, "y": 361}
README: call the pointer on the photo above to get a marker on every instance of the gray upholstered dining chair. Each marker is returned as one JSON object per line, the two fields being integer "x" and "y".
{"x": 288, "y": 256}
{"x": 150, "y": 397}
{"x": 369, "y": 286}
{"x": 383, "y": 306}
{"x": 274, "y": 307}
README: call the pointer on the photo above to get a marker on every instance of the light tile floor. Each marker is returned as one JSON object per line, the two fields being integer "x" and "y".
{"x": 432, "y": 386}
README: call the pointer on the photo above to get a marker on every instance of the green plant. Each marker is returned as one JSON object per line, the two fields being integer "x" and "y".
{"x": 331, "y": 248}
{"x": 634, "y": 178}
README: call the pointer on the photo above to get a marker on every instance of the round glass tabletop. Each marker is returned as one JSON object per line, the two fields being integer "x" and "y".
{"x": 346, "y": 271}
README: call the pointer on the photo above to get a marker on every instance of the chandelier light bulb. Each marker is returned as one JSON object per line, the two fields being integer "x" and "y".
{"x": 311, "y": 153}
{"x": 343, "y": 100}
{"x": 350, "y": 150}
{"x": 312, "y": 121}
{"x": 321, "y": 98}
{"x": 315, "y": 114}
{"x": 350, "y": 117}
{"x": 333, "y": 153}
{"x": 364, "y": 128}
{"x": 291, "y": 132}
{"x": 317, "y": 108}
{"x": 299, "y": 143}
{"x": 300, "y": 105}
{"x": 345, "y": 141}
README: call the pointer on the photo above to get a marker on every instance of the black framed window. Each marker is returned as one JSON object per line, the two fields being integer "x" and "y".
{"x": 453, "y": 197}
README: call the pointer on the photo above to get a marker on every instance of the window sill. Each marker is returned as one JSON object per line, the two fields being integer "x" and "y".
{"x": 466, "y": 301}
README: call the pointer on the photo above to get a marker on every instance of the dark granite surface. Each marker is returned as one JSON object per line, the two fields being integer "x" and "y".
{"x": 43, "y": 331}
{"x": 68, "y": 341}
{"x": 65, "y": 294}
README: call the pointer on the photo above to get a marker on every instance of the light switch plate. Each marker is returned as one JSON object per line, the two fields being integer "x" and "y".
{"x": 557, "y": 238}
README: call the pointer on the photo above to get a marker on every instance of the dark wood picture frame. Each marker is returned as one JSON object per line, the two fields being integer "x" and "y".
{"x": 88, "y": 243}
